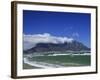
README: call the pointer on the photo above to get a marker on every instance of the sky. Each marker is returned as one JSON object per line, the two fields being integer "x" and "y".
{"x": 57, "y": 24}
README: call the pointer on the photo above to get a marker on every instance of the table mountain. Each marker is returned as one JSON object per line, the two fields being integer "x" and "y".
{"x": 46, "y": 47}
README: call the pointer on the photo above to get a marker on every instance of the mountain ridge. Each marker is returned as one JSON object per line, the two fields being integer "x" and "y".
{"x": 66, "y": 46}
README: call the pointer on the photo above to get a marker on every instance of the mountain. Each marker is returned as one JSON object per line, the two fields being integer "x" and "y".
{"x": 67, "y": 46}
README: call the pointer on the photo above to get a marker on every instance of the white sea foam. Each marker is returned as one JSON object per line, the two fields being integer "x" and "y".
{"x": 40, "y": 64}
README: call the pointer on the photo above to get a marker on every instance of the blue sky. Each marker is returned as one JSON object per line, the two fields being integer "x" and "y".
{"x": 72, "y": 25}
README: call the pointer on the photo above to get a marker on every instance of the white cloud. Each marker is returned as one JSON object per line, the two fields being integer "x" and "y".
{"x": 31, "y": 40}
{"x": 75, "y": 34}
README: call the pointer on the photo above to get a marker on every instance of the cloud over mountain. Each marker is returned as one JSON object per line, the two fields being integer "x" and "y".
{"x": 31, "y": 40}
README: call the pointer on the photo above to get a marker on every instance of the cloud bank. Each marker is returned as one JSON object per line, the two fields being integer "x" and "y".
{"x": 31, "y": 40}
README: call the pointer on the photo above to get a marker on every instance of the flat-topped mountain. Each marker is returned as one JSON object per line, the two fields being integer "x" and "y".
{"x": 67, "y": 46}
